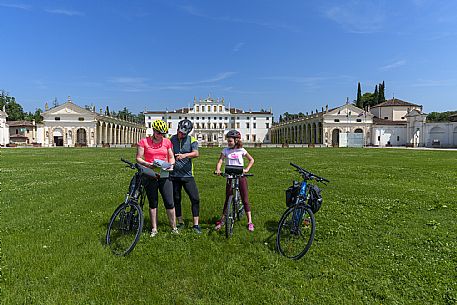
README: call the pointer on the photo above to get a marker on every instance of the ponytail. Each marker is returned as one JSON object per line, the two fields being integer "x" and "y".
{"x": 238, "y": 143}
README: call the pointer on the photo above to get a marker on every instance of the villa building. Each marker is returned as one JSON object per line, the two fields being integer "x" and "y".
{"x": 212, "y": 119}
{"x": 392, "y": 123}
{"x": 70, "y": 125}
{"x": 22, "y": 132}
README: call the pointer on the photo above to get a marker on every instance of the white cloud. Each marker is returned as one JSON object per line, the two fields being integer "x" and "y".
{"x": 139, "y": 84}
{"x": 238, "y": 46}
{"x": 272, "y": 25}
{"x": 64, "y": 12}
{"x": 361, "y": 17}
{"x": 393, "y": 65}
{"x": 18, "y": 6}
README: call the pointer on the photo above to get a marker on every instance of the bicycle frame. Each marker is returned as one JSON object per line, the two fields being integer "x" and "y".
{"x": 136, "y": 190}
{"x": 297, "y": 224}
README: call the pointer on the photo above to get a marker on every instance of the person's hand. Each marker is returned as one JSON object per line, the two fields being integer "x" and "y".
{"x": 217, "y": 172}
{"x": 245, "y": 170}
{"x": 180, "y": 156}
{"x": 151, "y": 165}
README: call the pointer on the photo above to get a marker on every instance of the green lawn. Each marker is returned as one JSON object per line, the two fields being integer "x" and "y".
{"x": 386, "y": 234}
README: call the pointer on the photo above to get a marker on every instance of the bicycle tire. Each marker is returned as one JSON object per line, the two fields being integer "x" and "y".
{"x": 296, "y": 231}
{"x": 229, "y": 217}
{"x": 124, "y": 228}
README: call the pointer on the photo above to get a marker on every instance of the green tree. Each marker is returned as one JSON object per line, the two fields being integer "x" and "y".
{"x": 376, "y": 95}
{"x": 358, "y": 102}
{"x": 13, "y": 109}
{"x": 382, "y": 96}
{"x": 55, "y": 102}
{"x": 368, "y": 99}
{"x": 440, "y": 116}
{"x": 140, "y": 117}
{"x": 124, "y": 114}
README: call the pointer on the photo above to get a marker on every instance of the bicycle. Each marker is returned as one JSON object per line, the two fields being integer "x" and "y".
{"x": 126, "y": 223}
{"x": 297, "y": 225}
{"x": 234, "y": 210}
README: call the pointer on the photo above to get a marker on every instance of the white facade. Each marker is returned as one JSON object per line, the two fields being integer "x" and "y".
{"x": 4, "y": 129}
{"x": 212, "y": 120}
{"x": 436, "y": 134}
{"x": 70, "y": 125}
{"x": 389, "y": 135}
{"x": 347, "y": 119}
{"x": 394, "y": 110}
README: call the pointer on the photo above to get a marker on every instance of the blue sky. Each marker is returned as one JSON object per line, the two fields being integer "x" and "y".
{"x": 288, "y": 55}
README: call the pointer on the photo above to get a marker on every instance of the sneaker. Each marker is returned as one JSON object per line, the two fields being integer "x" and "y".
{"x": 219, "y": 225}
{"x": 175, "y": 231}
{"x": 181, "y": 225}
{"x": 251, "y": 227}
{"x": 153, "y": 233}
{"x": 197, "y": 229}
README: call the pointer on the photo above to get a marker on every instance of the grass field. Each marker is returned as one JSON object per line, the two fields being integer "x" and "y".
{"x": 386, "y": 234}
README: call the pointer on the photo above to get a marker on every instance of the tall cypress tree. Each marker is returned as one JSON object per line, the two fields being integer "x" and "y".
{"x": 359, "y": 97}
{"x": 382, "y": 97}
{"x": 376, "y": 96}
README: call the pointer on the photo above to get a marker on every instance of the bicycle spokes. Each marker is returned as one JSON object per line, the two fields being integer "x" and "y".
{"x": 295, "y": 232}
{"x": 124, "y": 228}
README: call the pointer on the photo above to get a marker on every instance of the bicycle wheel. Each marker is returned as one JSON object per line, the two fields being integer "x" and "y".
{"x": 239, "y": 208}
{"x": 229, "y": 218}
{"x": 296, "y": 231}
{"x": 124, "y": 228}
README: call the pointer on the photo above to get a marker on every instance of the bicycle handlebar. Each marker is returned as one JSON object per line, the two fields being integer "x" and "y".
{"x": 308, "y": 173}
{"x": 233, "y": 176}
{"x": 130, "y": 164}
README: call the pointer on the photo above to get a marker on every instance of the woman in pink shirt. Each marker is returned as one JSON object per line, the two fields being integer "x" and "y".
{"x": 152, "y": 151}
{"x": 233, "y": 155}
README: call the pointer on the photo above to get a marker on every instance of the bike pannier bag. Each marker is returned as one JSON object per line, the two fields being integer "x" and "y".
{"x": 292, "y": 193}
{"x": 315, "y": 198}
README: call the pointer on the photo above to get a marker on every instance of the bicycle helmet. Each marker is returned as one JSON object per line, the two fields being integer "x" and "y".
{"x": 233, "y": 134}
{"x": 160, "y": 126}
{"x": 185, "y": 126}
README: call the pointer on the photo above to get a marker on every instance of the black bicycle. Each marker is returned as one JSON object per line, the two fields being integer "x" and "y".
{"x": 234, "y": 210}
{"x": 126, "y": 223}
{"x": 297, "y": 226}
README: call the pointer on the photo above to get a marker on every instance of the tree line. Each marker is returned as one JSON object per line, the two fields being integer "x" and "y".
{"x": 440, "y": 116}
{"x": 16, "y": 112}
{"x": 370, "y": 99}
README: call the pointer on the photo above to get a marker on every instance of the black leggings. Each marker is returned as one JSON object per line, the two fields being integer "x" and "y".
{"x": 192, "y": 191}
{"x": 164, "y": 185}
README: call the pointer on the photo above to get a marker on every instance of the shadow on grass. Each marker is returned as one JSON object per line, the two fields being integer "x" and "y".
{"x": 272, "y": 227}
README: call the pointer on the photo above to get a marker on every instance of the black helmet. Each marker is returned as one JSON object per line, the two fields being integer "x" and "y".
{"x": 233, "y": 134}
{"x": 185, "y": 126}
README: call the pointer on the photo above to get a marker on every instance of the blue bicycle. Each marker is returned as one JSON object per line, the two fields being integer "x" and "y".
{"x": 297, "y": 226}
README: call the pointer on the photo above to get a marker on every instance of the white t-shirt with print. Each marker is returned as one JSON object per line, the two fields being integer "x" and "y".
{"x": 234, "y": 156}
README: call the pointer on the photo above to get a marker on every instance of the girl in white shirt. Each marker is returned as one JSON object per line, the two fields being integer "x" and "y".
{"x": 234, "y": 154}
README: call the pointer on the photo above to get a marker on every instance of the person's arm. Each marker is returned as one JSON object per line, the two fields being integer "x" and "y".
{"x": 193, "y": 154}
{"x": 219, "y": 164}
{"x": 171, "y": 157}
{"x": 251, "y": 162}
{"x": 140, "y": 157}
